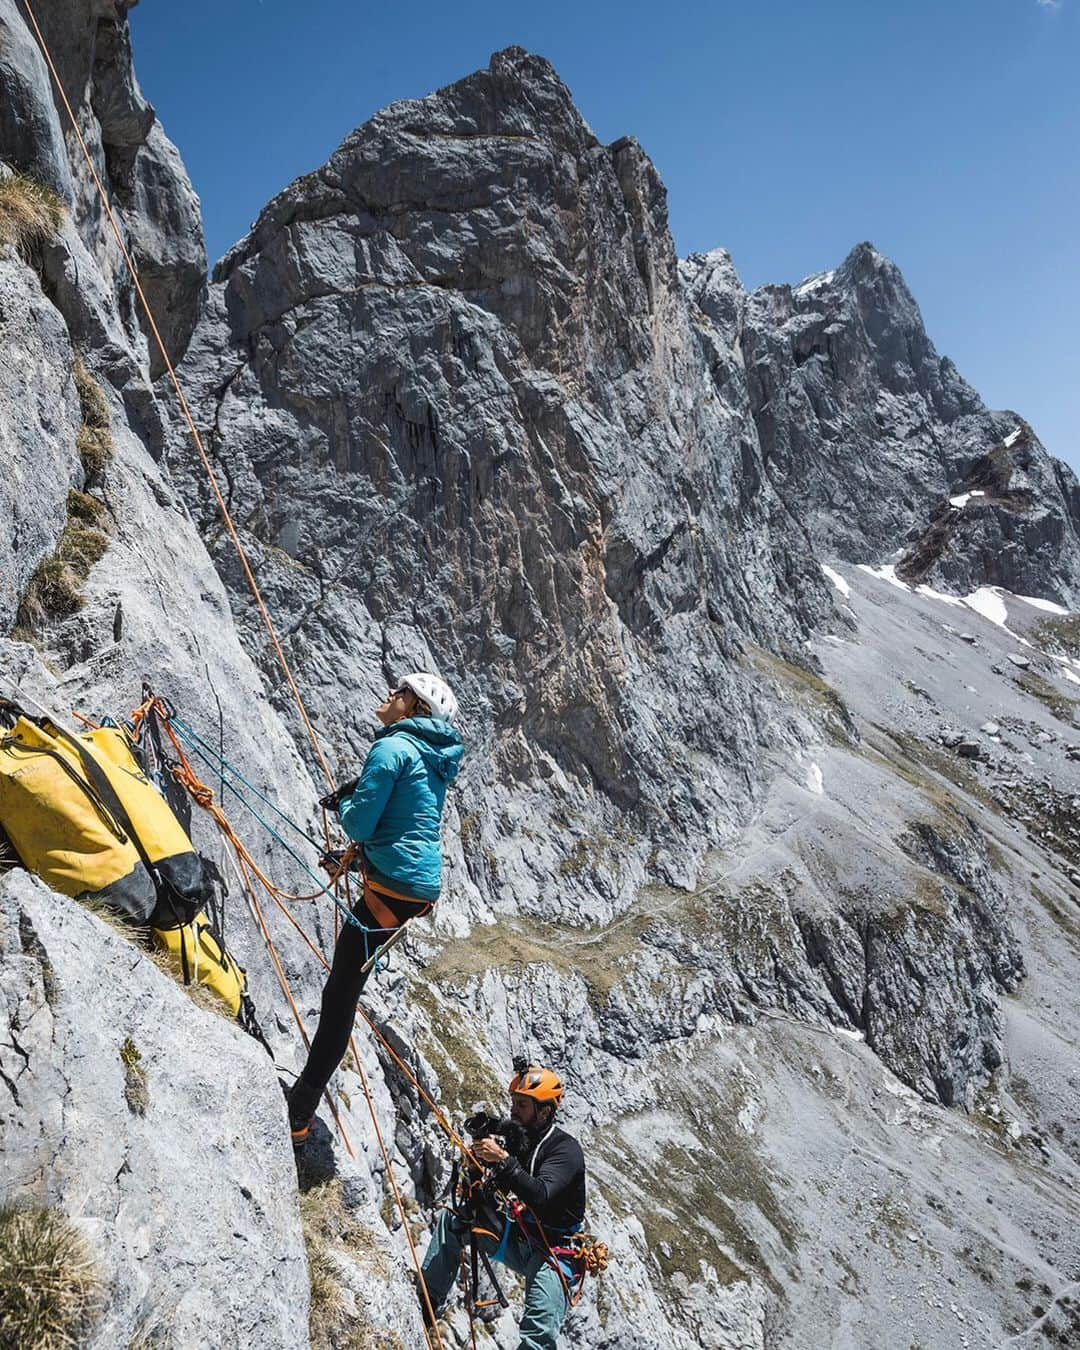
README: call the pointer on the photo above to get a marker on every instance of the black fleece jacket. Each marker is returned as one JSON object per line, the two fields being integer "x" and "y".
{"x": 549, "y": 1175}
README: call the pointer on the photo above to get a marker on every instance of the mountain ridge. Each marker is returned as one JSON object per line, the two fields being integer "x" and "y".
{"x": 716, "y": 853}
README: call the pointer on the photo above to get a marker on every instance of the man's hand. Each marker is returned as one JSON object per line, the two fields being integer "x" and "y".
{"x": 488, "y": 1151}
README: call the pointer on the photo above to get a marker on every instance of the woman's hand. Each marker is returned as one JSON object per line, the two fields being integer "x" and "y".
{"x": 488, "y": 1151}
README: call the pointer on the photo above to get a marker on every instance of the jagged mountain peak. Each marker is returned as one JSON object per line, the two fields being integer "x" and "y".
{"x": 517, "y": 97}
{"x": 484, "y": 330}
{"x": 754, "y": 871}
{"x": 866, "y": 430}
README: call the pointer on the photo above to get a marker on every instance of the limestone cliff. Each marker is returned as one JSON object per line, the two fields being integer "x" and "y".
{"x": 777, "y": 864}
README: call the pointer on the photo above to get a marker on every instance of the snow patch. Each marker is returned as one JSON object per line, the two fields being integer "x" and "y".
{"x": 1049, "y": 605}
{"x": 1069, "y": 675}
{"x": 1011, "y": 438}
{"x": 814, "y": 282}
{"x": 987, "y": 601}
{"x": 886, "y": 572}
{"x": 964, "y": 497}
{"x": 815, "y": 780}
{"x": 837, "y": 580}
{"x": 931, "y": 594}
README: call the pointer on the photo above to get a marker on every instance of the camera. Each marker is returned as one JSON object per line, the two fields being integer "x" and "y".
{"x": 482, "y": 1125}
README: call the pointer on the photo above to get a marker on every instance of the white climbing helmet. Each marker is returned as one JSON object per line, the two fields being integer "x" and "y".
{"x": 436, "y": 693}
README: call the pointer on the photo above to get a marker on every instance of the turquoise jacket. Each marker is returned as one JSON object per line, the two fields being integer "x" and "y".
{"x": 395, "y": 808}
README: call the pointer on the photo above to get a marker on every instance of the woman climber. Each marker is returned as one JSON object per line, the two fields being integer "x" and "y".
{"x": 392, "y": 811}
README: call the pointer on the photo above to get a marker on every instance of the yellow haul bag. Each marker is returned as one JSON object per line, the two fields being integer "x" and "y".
{"x": 83, "y": 816}
{"x": 79, "y": 811}
{"x": 196, "y": 952}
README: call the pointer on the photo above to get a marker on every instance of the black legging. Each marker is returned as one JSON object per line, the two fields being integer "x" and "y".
{"x": 344, "y": 986}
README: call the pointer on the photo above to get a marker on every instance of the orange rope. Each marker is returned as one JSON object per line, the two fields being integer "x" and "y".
{"x": 401, "y": 1205}
{"x": 279, "y": 970}
{"x": 282, "y": 659}
{"x": 192, "y": 428}
{"x": 203, "y": 796}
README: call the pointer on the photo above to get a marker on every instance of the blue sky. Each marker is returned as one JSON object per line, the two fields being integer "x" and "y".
{"x": 945, "y": 131}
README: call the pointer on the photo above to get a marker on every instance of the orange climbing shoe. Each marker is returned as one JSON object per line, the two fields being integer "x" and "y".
{"x": 302, "y": 1099}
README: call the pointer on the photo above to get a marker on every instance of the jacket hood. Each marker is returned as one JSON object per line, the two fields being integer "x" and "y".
{"x": 439, "y": 744}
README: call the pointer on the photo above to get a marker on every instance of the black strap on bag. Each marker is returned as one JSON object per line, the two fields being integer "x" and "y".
{"x": 9, "y": 858}
{"x": 166, "y": 894}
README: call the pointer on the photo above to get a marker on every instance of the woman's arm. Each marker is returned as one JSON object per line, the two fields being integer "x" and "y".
{"x": 360, "y": 810}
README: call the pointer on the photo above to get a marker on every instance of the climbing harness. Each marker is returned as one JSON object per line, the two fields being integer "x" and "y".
{"x": 580, "y": 1253}
{"x": 490, "y": 1216}
{"x": 244, "y": 865}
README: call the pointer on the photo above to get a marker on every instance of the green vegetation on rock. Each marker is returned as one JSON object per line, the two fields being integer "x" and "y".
{"x": 95, "y": 439}
{"x": 136, "y": 1087}
{"x": 330, "y": 1234}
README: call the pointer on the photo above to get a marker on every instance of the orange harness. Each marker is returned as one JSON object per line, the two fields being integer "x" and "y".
{"x": 383, "y": 915}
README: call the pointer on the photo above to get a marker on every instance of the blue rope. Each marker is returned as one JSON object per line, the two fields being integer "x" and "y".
{"x": 349, "y": 916}
{"x": 208, "y": 755}
{"x": 194, "y": 739}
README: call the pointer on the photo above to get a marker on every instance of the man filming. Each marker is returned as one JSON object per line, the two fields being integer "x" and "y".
{"x": 544, "y": 1168}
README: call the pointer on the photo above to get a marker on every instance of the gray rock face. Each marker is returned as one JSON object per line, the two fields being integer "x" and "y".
{"x": 29, "y": 126}
{"x": 452, "y": 389}
{"x": 151, "y": 187}
{"x": 128, "y": 1107}
{"x": 1012, "y": 521}
{"x": 707, "y": 856}
{"x": 145, "y": 178}
{"x": 39, "y": 419}
{"x": 866, "y": 431}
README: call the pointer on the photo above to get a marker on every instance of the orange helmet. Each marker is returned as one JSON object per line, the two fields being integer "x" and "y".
{"x": 543, "y": 1085}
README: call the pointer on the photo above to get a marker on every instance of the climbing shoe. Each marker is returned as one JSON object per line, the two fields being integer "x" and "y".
{"x": 302, "y": 1099}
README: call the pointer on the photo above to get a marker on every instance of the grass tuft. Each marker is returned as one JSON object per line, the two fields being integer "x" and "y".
{"x": 86, "y": 510}
{"x": 51, "y": 593}
{"x": 328, "y": 1225}
{"x": 51, "y": 1292}
{"x": 30, "y": 214}
{"x": 94, "y": 440}
{"x": 136, "y": 1087}
{"x": 95, "y": 447}
{"x": 95, "y": 407}
{"x": 54, "y": 590}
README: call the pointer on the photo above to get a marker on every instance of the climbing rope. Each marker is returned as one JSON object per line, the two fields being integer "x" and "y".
{"x": 216, "y": 760}
{"x": 185, "y": 774}
{"x": 241, "y": 554}
{"x": 246, "y": 869}
{"x": 183, "y": 403}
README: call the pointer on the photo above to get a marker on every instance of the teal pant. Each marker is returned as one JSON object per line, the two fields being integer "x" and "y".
{"x": 545, "y": 1300}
